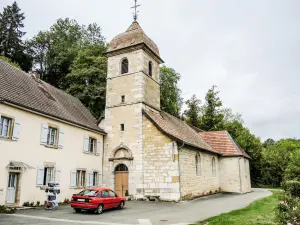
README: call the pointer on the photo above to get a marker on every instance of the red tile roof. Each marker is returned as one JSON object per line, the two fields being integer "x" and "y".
{"x": 222, "y": 142}
{"x": 177, "y": 129}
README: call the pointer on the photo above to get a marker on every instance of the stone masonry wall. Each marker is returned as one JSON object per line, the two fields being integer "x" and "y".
{"x": 191, "y": 184}
{"x": 234, "y": 175}
{"x": 160, "y": 164}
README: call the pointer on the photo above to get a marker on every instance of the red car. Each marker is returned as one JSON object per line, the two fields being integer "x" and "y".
{"x": 97, "y": 199}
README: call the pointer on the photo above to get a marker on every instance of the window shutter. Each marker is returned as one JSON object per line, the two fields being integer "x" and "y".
{"x": 91, "y": 178}
{"x": 57, "y": 175}
{"x": 61, "y": 139}
{"x": 73, "y": 178}
{"x": 88, "y": 180}
{"x": 86, "y": 144}
{"x": 40, "y": 175}
{"x": 99, "y": 147}
{"x": 99, "y": 179}
{"x": 44, "y": 134}
{"x": 16, "y": 131}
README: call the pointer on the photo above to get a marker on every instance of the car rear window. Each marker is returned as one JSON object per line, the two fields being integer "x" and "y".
{"x": 87, "y": 193}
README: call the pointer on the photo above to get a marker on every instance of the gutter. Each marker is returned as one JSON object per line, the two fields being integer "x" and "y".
{"x": 37, "y": 112}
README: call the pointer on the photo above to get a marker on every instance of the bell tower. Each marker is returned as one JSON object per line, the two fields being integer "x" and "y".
{"x": 133, "y": 83}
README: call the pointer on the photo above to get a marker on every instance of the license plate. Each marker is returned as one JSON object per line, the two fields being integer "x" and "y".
{"x": 81, "y": 200}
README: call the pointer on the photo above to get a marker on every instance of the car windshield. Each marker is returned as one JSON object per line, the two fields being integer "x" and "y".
{"x": 87, "y": 193}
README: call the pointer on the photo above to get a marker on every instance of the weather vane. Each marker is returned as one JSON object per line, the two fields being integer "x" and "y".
{"x": 135, "y": 14}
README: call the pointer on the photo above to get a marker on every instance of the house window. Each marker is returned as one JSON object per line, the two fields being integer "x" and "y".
{"x": 150, "y": 67}
{"x": 80, "y": 178}
{"x": 124, "y": 66}
{"x": 198, "y": 164}
{"x": 214, "y": 172}
{"x": 122, "y": 127}
{"x": 52, "y": 136}
{"x": 123, "y": 98}
{"x": 48, "y": 175}
{"x": 92, "y": 145}
{"x": 5, "y": 127}
{"x": 95, "y": 179}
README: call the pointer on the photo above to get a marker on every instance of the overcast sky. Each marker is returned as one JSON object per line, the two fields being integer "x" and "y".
{"x": 249, "y": 49}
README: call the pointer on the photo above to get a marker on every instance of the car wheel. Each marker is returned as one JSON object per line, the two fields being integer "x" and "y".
{"x": 99, "y": 210}
{"x": 121, "y": 206}
{"x": 77, "y": 210}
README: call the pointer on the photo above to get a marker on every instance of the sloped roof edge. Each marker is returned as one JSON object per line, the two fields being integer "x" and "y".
{"x": 174, "y": 137}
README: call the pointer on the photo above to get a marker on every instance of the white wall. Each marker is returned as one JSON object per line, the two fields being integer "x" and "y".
{"x": 235, "y": 174}
{"x": 29, "y": 150}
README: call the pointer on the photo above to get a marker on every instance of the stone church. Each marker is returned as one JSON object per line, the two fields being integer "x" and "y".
{"x": 149, "y": 152}
{"x": 136, "y": 149}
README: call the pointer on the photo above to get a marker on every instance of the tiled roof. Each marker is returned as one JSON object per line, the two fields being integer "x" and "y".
{"x": 222, "y": 142}
{"x": 22, "y": 89}
{"x": 177, "y": 129}
{"x": 134, "y": 35}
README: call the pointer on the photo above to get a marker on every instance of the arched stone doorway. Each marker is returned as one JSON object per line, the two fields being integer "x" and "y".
{"x": 121, "y": 180}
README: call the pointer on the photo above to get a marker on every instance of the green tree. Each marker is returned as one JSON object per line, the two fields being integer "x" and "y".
{"x": 212, "y": 116}
{"x": 276, "y": 159}
{"x": 170, "y": 94}
{"x": 10, "y": 62}
{"x": 268, "y": 143}
{"x": 11, "y": 44}
{"x": 292, "y": 171}
{"x": 54, "y": 51}
{"x": 87, "y": 80}
{"x": 192, "y": 112}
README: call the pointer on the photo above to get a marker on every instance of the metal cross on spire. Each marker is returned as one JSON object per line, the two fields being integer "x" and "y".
{"x": 135, "y": 14}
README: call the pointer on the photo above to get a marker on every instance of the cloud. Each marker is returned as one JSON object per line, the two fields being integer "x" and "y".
{"x": 250, "y": 49}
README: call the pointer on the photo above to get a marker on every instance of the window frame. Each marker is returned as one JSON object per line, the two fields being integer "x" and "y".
{"x": 9, "y": 128}
{"x": 94, "y": 140}
{"x": 56, "y": 136}
{"x": 95, "y": 178}
{"x": 122, "y": 127}
{"x": 150, "y": 68}
{"x": 81, "y": 180}
{"x": 52, "y": 175}
{"x": 126, "y": 69}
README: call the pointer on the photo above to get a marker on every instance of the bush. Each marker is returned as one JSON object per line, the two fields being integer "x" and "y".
{"x": 38, "y": 203}
{"x": 288, "y": 211}
{"x": 31, "y": 204}
{"x": 4, "y": 209}
{"x": 66, "y": 201}
{"x": 26, "y": 204}
{"x": 292, "y": 187}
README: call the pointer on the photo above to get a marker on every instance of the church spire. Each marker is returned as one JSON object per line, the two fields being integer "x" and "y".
{"x": 135, "y": 13}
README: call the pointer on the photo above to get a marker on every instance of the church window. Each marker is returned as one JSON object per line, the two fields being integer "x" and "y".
{"x": 123, "y": 98}
{"x": 214, "y": 172}
{"x": 121, "y": 168}
{"x": 150, "y": 68}
{"x": 198, "y": 164}
{"x": 122, "y": 127}
{"x": 124, "y": 66}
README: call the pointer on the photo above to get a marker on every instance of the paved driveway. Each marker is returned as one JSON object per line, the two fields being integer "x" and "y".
{"x": 136, "y": 212}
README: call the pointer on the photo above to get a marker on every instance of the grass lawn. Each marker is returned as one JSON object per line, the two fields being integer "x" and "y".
{"x": 260, "y": 212}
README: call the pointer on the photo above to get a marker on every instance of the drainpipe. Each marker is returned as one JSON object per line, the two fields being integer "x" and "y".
{"x": 241, "y": 190}
{"x": 180, "y": 197}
